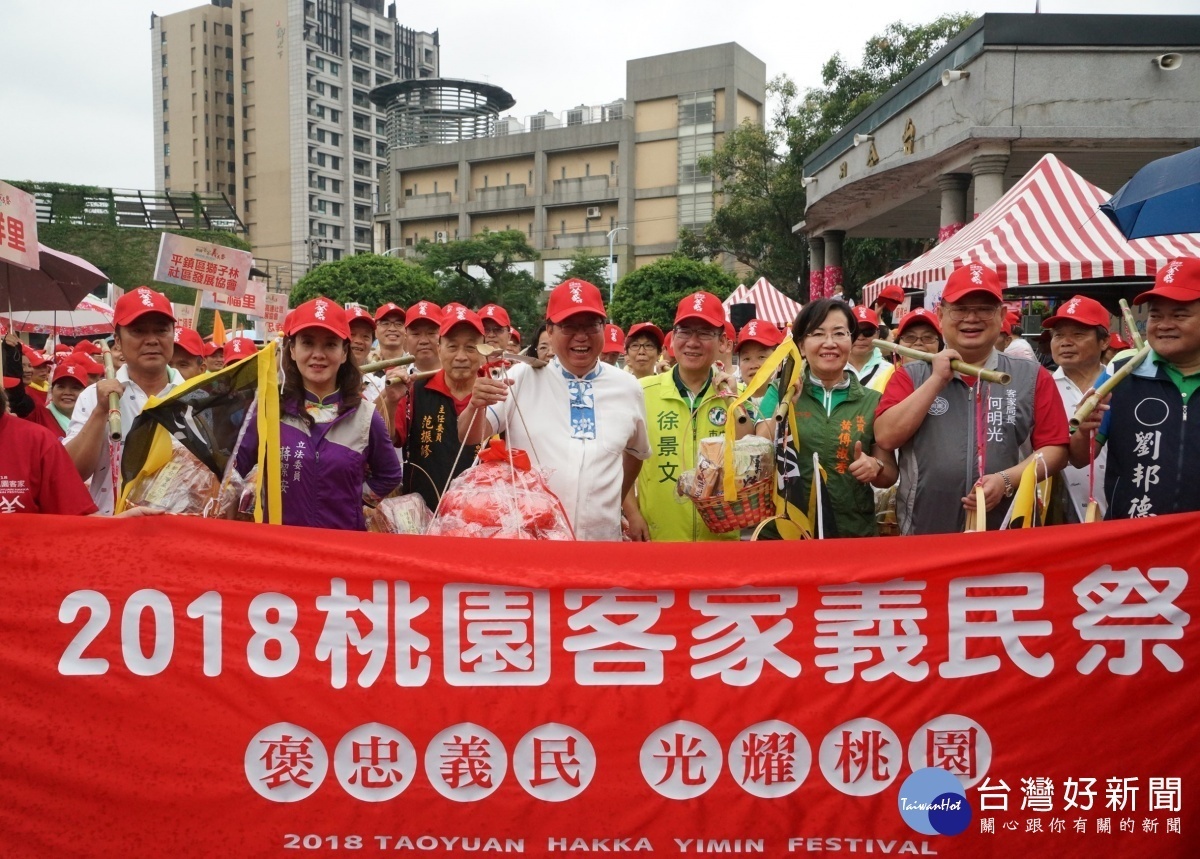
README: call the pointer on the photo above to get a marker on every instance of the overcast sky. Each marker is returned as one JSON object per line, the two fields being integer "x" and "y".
{"x": 75, "y": 95}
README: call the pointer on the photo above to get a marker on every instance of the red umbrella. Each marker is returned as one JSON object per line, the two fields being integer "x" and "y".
{"x": 59, "y": 283}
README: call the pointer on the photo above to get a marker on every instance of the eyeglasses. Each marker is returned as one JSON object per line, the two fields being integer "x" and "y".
{"x": 682, "y": 334}
{"x": 923, "y": 340}
{"x": 573, "y": 328}
{"x": 642, "y": 346}
{"x": 959, "y": 312}
{"x": 841, "y": 335}
{"x": 389, "y": 323}
{"x": 866, "y": 333}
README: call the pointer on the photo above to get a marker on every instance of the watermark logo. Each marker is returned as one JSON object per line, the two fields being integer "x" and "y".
{"x": 932, "y": 801}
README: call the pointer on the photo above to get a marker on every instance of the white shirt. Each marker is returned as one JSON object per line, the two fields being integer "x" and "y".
{"x": 373, "y": 386}
{"x": 1077, "y": 478}
{"x": 1020, "y": 348}
{"x": 132, "y": 402}
{"x": 585, "y": 474}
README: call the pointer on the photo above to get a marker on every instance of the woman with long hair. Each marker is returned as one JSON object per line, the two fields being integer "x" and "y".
{"x": 835, "y": 417}
{"x": 334, "y": 447}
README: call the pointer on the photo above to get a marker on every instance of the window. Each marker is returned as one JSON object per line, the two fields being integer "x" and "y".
{"x": 232, "y": 167}
{"x": 231, "y": 189}
{"x": 335, "y": 138}
{"x": 166, "y": 149}
{"x": 167, "y": 172}
{"x": 336, "y": 209}
{"x": 229, "y": 30}
{"x": 166, "y": 127}
{"x": 335, "y": 115}
{"x": 362, "y": 213}
{"x": 381, "y": 127}
{"x": 229, "y": 75}
{"x": 164, "y": 82}
{"x": 229, "y": 53}
{"x": 164, "y": 60}
{"x": 162, "y": 36}
{"x": 696, "y": 109}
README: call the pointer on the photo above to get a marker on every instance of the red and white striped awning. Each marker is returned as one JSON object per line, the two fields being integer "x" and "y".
{"x": 771, "y": 304}
{"x": 1047, "y": 229}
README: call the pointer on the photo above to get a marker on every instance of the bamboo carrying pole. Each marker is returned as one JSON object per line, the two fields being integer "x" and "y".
{"x": 376, "y": 366}
{"x": 114, "y": 401}
{"x": 1131, "y": 324}
{"x": 1089, "y": 405}
{"x": 412, "y": 377}
{"x": 966, "y": 369}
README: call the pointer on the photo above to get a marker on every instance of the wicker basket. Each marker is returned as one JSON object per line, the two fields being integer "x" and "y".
{"x": 753, "y": 504}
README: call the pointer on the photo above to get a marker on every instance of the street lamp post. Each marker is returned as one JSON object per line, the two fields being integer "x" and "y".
{"x": 612, "y": 267}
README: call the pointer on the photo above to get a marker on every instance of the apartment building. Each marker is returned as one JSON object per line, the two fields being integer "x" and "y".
{"x": 567, "y": 180}
{"x": 266, "y": 102}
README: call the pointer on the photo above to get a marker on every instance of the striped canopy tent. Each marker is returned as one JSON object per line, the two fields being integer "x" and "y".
{"x": 772, "y": 305}
{"x": 1048, "y": 228}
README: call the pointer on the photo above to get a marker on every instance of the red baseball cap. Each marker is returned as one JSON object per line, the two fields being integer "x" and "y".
{"x": 189, "y": 341}
{"x": 1081, "y": 309}
{"x": 71, "y": 370}
{"x": 864, "y": 315}
{"x": 88, "y": 347}
{"x": 614, "y": 340}
{"x": 386, "y": 309}
{"x": 571, "y": 297}
{"x": 668, "y": 343}
{"x": 34, "y": 357}
{"x": 891, "y": 295}
{"x": 1178, "y": 280}
{"x": 456, "y": 315}
{"x": 243, "y": 347}
{"x": 760, "y": 331}
{"x": 320, "y": 312}
{"x": 496, "y": 313}
{"x": 919, "y": 314}
{"x": 63, "y": 347}
{"x": 730, "y": 331}
{"x": 649, "y": 329}
{"x": 138, "y": 302}
{"x": 211, "y": 349}
{"x": 975, "y": 277}
{"x": 354, "y": 313}
{"x": 515, "y": 335}
{"x": 84, "y": 361}
{"x": 425, "y": 311}
{"x": 702, "y": 306}
{"x": 1115, "y": 341}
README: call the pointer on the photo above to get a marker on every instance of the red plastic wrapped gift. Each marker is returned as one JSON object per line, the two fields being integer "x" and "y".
{"x": 501, "y": 496}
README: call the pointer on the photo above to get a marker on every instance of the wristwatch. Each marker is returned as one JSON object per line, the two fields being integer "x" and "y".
{"x": 1008, "y": 487}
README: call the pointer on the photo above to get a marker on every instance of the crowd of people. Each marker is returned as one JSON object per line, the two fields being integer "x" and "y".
{"x": 615, "y": 417}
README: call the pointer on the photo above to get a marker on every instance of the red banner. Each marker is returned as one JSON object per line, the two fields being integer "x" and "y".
{"x": 187, "y": 687}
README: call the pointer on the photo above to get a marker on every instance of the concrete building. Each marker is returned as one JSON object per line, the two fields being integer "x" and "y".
{"x": 1105, "y": 93}
{"x": 567, "y": 180}
{"x": 266, "y": 102}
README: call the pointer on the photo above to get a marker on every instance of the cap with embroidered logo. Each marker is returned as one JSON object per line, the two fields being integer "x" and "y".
{"x": 614, "y": 340}
{"x": 1079, "y": 308}
{"x": 138, "y": 302}
{"x": 189, "y": 341}
{"x": 571, "y": 297}
{"x": 457, "y": 314}
{"x": 496, "y": 314}
{"x": 703, "y": 307}
{"x": 1178, "y": 280}
{"x": 971, "y": 278}
{"x": 425, "y": 311}
{"x": 320, "y": 312}
{"x": 760, "y": 331}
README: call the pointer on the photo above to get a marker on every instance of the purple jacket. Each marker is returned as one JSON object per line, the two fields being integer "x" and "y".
{"x": 327, "y": 470}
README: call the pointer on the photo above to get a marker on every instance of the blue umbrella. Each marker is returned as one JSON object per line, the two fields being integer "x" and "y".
{"x": 1162, "y": 199}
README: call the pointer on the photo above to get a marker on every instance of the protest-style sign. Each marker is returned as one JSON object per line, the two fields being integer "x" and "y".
{"x": 18, "y": 227}
{"x": 202, "y": 265}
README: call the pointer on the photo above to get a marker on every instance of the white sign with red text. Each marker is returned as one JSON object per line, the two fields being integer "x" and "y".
{"x": 202, "y": 265}
{"x": 250, "y": 302}
{"x": 276, "y": 310}
{"x": 18, "y": 227}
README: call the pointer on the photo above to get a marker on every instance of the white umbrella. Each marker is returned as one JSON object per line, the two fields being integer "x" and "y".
{"x": 90, "y": 318}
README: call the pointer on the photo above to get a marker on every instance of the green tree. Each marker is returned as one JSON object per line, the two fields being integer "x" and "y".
{"x": 758, "y": 170}
{"x": 368, "y": 279}
{"x": 585, "y": 265}
{"x": 483, "y": 269}
{"x": 653, "y": 292}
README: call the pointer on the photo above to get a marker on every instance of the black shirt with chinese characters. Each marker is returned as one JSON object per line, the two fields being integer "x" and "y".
{"x": 431, "y": 446}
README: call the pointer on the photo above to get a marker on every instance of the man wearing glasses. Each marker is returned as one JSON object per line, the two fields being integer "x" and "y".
{"x": 938, "y": 420}
{"x": 683, "y": 406}
{"x": 581, "y": 420}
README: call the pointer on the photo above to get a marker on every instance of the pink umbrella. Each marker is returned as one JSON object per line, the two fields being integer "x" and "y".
{"x": 90, "y": 318}
{"x": 59, "y": 283}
